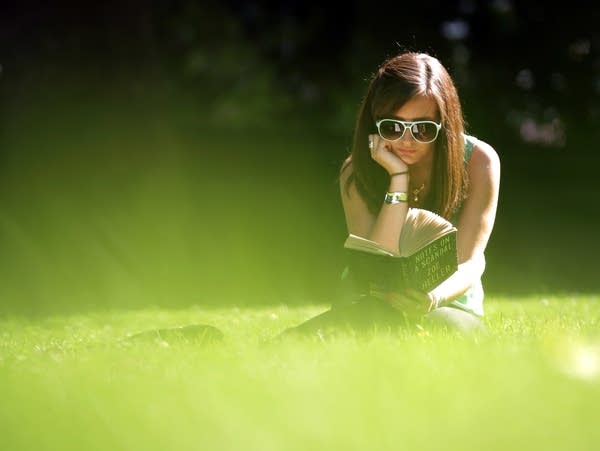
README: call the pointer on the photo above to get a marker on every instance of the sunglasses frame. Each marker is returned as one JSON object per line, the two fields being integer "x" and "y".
{"x": 408, "y": 125}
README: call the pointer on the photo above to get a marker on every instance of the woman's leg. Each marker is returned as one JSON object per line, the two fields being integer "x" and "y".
{"x": 454, "y": 319}
{"x": 364, "y": 315}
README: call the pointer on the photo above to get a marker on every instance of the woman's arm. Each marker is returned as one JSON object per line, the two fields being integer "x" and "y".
{"x": 475, "y": 224}
{"x": 359, "y": 220}
{"x": 385, "y": 228}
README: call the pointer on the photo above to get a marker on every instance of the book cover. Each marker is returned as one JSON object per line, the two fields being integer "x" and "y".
{"x": 427, "y": 256}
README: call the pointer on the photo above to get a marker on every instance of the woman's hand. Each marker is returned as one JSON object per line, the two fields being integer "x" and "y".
{"x": 411, "y": 301}
{"x": 381, "y": 152}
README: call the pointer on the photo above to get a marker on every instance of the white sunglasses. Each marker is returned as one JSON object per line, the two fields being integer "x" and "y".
{"x": 422, "y": 131}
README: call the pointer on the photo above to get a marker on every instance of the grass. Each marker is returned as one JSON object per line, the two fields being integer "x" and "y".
{"x": 532, "y": 382}
{"x": 107, "y": 212}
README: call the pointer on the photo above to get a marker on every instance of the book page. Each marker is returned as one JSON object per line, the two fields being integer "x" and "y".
{"x": 362, "y": 244}
{"x": 421, "y": 228}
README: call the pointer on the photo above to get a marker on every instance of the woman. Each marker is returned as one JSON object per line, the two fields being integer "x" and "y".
{"x": 410, "y": 150}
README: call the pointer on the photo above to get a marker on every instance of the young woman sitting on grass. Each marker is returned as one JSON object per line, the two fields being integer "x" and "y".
{"x": 410, "y": 150}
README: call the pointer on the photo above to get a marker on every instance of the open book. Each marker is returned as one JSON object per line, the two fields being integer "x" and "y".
{"x": 427, "y": 254}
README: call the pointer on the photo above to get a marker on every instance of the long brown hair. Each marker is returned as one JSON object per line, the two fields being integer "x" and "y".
{"x": 396, "y": 81}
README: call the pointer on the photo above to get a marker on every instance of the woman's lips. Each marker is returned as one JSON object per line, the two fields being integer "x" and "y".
{"x": 405, "y": 151}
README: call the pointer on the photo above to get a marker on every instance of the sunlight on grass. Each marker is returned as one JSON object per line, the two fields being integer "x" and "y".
{"x": 531, "y": 382}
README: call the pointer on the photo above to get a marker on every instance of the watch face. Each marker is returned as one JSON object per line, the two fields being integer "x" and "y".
{"x": 395, "y": 198}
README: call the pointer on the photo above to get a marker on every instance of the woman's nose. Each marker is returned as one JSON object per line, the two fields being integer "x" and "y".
{"x": 407, "y": 136}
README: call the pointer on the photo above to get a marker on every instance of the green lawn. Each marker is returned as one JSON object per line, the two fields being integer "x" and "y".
{"x": 74, "y": 383}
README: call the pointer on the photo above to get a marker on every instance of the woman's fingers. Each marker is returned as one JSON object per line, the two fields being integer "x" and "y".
{"x": 381, "y": 153}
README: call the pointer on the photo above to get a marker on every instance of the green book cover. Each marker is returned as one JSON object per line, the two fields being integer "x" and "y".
{"x": 427, "y": 257}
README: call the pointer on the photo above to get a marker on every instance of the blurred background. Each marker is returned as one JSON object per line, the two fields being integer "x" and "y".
{"x": 177, "y": 153}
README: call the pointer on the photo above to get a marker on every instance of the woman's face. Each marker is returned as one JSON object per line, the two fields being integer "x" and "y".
{"x": 412, "y": 152}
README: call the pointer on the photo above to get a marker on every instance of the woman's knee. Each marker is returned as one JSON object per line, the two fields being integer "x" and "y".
{"x": 455, "y": 319}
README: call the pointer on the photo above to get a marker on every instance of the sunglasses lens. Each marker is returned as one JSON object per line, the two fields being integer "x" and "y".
{"x": 424, "y": 131}
{"x": 391, "y": 130}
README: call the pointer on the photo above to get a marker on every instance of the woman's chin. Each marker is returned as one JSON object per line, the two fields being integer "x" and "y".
{"x": 407, "y": 157}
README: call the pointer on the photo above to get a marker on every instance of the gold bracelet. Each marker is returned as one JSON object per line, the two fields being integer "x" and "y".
{"x": 395, "y": 197}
